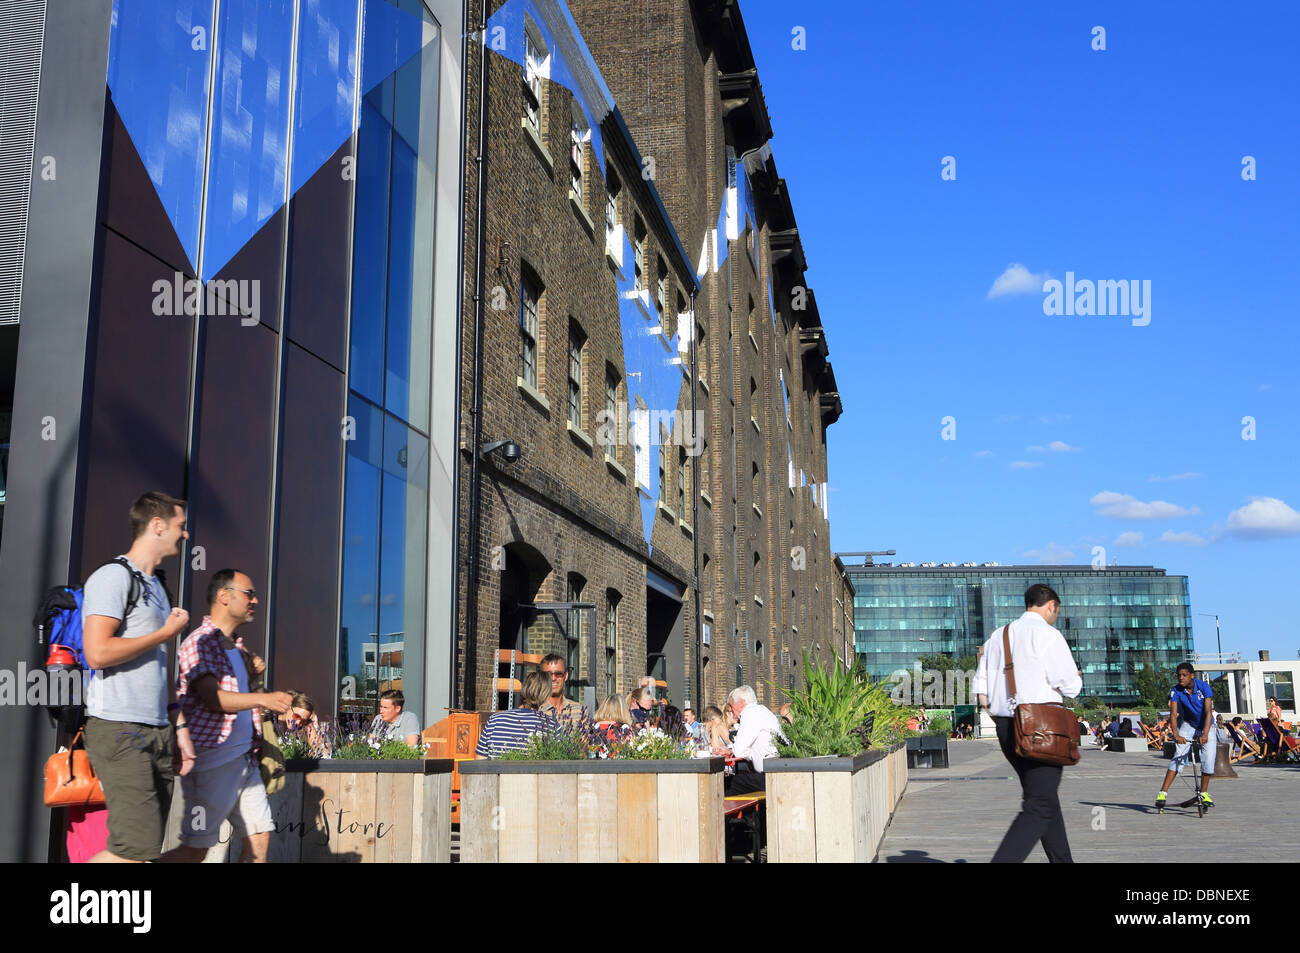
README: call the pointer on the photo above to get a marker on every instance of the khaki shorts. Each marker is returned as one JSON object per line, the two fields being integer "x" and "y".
{"x": 134, "y": 764}
{"x": 232, "y": 791}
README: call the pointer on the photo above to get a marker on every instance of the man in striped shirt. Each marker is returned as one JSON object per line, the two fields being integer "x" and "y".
{"x": 509, "y": 730}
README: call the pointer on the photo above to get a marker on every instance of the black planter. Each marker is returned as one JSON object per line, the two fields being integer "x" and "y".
{"x": 927, "y": 751}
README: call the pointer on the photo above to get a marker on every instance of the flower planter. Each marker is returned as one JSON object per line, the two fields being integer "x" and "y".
{"x": 592, "y": 811}
{"x": 927, "y": 751}
{"x": 832, "y": 810}
{"x": 363, "y": 812}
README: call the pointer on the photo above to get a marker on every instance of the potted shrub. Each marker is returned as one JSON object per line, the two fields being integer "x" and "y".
{"x": 572, "y": 796}
{"x": 841, "y": 769}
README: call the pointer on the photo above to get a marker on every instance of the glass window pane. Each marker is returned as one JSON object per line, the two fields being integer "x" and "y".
{"x": 360, "y": 618}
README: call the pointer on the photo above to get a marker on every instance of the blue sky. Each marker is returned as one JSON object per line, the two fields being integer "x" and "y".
{"x": 1116, "y": 164}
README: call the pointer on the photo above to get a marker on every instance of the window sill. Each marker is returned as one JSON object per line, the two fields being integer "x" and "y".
{"x": 687, "y": 529}
{"x": 704, "y": 384}
{"x": 757, "y": 428}
{"x": 758, "y": 600}
{"x": 533, "y": 394}
{"x": 753, "y": 342}
{"x": 757, "y": 511}
{"x": 576, "y": 204}
{"x": 667, "y": 511}
{"x": 708, "y": 500}
{"x": 613, "y": 261}
{"x": 535, "y": 141}
{"x": 616, "y": 469}
{"x": 578, "y": 434}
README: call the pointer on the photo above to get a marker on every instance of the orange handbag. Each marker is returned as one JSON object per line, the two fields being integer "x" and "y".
{"x": 70, "y": 781}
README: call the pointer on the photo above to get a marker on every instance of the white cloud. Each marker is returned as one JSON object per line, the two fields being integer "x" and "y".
{"x": 1264, "y": 516}
{"x": 1017, "y": 280}
{"x": 1131, "y": 538}
{"x": 1056, "y": 446}
{"x": 1050, "y": 554}
{"x": 1187, "y": 538}
{"x": 984, "y": 453}
{"x": 1125, "y": 507}
{"x": 1025, "y": 464}
{"x": 1176, "y": 476}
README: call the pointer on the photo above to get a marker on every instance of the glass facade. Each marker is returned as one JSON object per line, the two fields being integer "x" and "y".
{"x": 1114, "y": 619}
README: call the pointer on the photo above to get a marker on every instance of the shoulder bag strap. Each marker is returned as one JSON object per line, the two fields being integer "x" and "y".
{"x": 1009, "y": 667}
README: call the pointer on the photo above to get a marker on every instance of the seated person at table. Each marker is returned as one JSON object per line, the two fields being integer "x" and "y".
{"x": 613, "y": 719}
{"x": 393, "y": 722}
{"x": 1125, "y": 729}
{"x": 302, "y": 718}
{"x": 715, "y": 727}
{"x": 753, "y": 742}
{"x": 509, "y": 730}
{"x": 695, "y": 731}
{"x": 555, "y": 668}
{"x": 640, "y": 704}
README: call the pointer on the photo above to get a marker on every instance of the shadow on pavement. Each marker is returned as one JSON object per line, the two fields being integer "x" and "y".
{"x": 917, "y": 857}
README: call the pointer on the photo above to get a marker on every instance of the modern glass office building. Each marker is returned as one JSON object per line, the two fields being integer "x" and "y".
{"x": 1114, "y": 619}
{"x": 239, "y": 284}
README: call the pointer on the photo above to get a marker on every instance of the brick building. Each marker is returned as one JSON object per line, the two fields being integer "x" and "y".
{"x": 637, "y": 323}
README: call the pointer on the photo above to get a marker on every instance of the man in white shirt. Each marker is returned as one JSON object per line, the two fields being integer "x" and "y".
{"x": 753, "y": 741}
{"x": 1045, "y": 672}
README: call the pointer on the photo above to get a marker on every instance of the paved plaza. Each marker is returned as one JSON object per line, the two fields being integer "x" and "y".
{"x": 958, "y": 814}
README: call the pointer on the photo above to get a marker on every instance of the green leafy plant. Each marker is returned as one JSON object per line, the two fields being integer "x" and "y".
{"x": 830, "y": 710}
{"x": 939, "y": 726}
{"x": 652, "y": 744}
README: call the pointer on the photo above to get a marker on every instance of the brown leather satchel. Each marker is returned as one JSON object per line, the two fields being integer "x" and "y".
{"x": 70, "y": 781}
{"x": 1045, "y": 731}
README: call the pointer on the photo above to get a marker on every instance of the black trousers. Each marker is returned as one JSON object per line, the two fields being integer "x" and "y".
{"x": 1040, "y": 808}
{"x": 744, "y": 781}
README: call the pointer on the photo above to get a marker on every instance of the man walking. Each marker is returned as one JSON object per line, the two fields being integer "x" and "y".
{"x": 225, "y": 721}
{"x": 1191, "y": 710}
{"x": 127, "y": 621}
{"x": 1045, "y": 671}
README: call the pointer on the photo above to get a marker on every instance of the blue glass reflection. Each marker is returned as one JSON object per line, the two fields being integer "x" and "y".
{"x": 370, "y": 251}
{"x": 402, "y": 557}
{"x": 361, "y": 541}
{"x": 250, "y": 150}
{"x": 327, "y": 70}
{"x": 401, "y": 256}
{"x": 158, "y": 61}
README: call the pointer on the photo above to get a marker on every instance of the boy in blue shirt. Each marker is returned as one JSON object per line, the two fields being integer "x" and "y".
{"x": 1191, "y": 710}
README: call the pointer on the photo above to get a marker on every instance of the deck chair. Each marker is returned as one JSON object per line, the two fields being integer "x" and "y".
{"x": 1242, "y": 744}
{"x": 1274, "y": 749}
{"x": 1154, "y": 739}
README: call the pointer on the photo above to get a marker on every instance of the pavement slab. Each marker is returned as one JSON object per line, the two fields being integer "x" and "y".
{"x": 958, "y": 814}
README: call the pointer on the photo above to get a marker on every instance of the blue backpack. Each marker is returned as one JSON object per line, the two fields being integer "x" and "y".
{"x": 58, "y": 624}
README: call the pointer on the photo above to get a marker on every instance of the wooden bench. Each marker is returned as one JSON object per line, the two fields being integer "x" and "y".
{"x": 743, "y": 811}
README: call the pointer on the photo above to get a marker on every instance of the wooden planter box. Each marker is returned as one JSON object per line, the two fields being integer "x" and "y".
{"x": 366, "y": 812}
{"x": 832, "y": 810}
{"x": 592, "y": 811}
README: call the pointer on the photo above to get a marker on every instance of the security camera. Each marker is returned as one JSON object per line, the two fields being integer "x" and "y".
{"x": 512, "y": 452}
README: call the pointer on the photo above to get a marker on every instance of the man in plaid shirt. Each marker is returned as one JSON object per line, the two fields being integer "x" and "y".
{"x": 224, "y": 720}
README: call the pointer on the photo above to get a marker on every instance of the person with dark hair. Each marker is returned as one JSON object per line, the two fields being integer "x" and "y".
{"x": 393, "y": 721}
{"x": 127, "y": 621}
{"x": 1191, "y": 713}
{"x": 225, "y": 720}
{"x": 1045, "y": 671}
{"x": 556, "y": 670}
{"x": 509, "y": 730}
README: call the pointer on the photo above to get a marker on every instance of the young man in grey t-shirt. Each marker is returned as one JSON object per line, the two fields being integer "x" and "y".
{"x": 128, "y": 729}
{"x": 393, "y": 721}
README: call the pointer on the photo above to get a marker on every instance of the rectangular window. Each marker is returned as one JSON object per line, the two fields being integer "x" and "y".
{"x": 681, "y": 482}
{"x": 1280, "y": 686}
{"x": 611, "y": 643}
{"x": 576, "y": 341}
{"x": 611, "y": 205}
{"x": 611, "y": 413}
{"x": 661, "y": 292}
{"x": 532, "y": 83}
{"x": 638, "y": 256}
{"x": 575, "y": 161}
{"x": 641, "y": 443}
{"x": 529, "y": 296}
